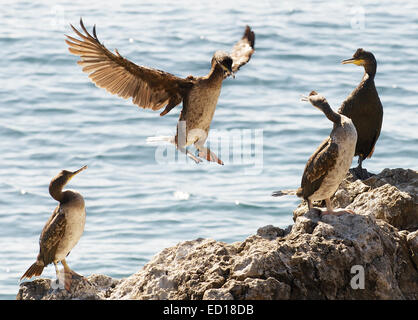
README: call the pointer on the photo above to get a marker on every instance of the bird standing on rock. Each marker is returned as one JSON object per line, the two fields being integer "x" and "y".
{"x": 154, "y": 89}
{"x": 364, "y": 108}
{"x": 63, "y": 229}
{"x": 329, "y": 164}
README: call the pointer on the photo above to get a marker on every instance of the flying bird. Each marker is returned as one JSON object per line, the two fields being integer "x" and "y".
{"x": 329, "y": 164}
{"x": 63, "y": 229}
{"x": 156, "y": 89}
{"x": 364, "y": 108}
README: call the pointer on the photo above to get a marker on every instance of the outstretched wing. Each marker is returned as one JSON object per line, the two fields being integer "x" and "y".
{"x": 317, "y": 167}
{"x": 149, "y": 88}
{"x": 51, "y": 236}
{"x": 243, "y": 49}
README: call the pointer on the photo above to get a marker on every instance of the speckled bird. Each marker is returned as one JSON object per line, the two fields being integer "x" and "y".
{"x": 329, "y": 164}
{"x": 63, "y": 229}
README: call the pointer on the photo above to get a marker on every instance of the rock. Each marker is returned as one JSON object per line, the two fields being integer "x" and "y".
{"x": 412, "y": 240}
{"x": 258, "y": 289}
{"x": 34, "y": 290}
{"x": 389, "y": 204}
{"x": 185, "y": 271}
{"x": 94, "y": 287}
{"x": 369, "y": 255}
{"x": 270, "y": 232}
{"x": 391, "y": 195}
{"x": 217, "y": 294}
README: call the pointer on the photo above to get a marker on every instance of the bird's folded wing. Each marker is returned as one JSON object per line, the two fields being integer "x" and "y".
{"x": 243, "y": 49}
{"x": 318, "y": 165}
{"x": 51, "y": 235}
{"x": 149, "y": 88}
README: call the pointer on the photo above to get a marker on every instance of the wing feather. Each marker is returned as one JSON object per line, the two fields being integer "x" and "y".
{"x": 318, "y": 165}
{"x": 149, "y": 88}
{"x": 51, "y": 236}
{"x": 243, "y": 49}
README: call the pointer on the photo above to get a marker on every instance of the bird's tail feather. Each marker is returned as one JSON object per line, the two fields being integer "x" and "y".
{"x": 169, "y": 139}
{"x": 34, "y": 270}
{"x": 280, "y": 193}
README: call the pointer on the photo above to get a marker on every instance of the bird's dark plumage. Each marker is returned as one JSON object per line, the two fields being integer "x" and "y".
{"x": 51, "y": 235}
{"x": 322, "y": 161}
{"x": 363, "y": 106}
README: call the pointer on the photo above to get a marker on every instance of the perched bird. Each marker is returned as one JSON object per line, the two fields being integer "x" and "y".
{"x": 63, "y": 229}
{"x": 154, "y": 89}
{"x": 329, "y": 164}
{"x": 364, "y": 108}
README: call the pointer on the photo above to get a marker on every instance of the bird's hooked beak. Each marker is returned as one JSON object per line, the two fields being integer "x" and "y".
{"x": 304, "y": 98}
{"x": 78, "y": 171}
{"x": 308, "y": 99}
{"x": 231, "y": 73}
{"x": 228, "y": 71}
{"x": 356, "y": 61}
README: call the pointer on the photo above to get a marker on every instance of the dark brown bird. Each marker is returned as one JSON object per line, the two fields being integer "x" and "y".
{"x": 364, "y": 108}
{"x": 155, "y": 89}
{"x": 63, "y": 229}
{"x": 329, "y": 164}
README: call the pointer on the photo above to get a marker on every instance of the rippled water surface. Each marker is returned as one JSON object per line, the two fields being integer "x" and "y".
{"x": 53, "y": 118}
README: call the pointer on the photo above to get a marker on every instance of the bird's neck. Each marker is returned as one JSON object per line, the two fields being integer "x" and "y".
{"x": 332, "y": 115}
{"x": 216, "y": 72}
{"x": 369, "y": 71}
{"x": 55, "y": 190}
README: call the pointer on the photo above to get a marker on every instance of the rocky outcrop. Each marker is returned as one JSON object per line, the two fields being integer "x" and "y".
{"x": 372, "y": 254}
{"x": 94, "y": 287}
{"x": 391, "y": 195}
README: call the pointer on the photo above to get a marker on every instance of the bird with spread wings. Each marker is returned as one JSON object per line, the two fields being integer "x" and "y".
{"x": 155, "y": 89}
